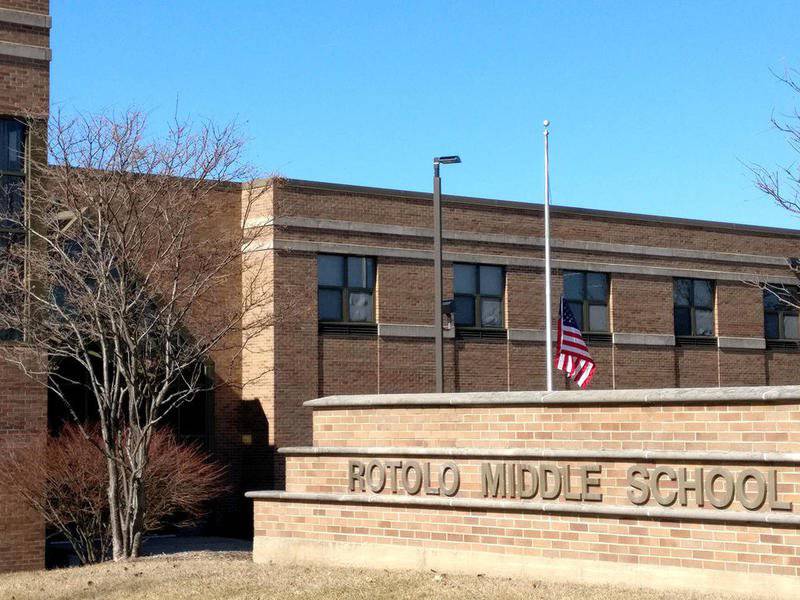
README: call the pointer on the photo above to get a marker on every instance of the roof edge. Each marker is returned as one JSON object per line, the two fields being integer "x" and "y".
{"x": 536, "y": 207}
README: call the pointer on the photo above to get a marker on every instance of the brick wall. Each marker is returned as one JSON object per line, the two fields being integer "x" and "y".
{"x": 23, "y": 424}
{"x": 308, "y": 364}
{"x": 330, "y": 524}
{"x": 24, "y": 83}
{"x": 24, "y": 91}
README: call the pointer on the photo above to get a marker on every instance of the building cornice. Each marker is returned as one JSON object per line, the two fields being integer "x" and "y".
{"x": 520, "y": 240}
{"x": 24, "y": 17}
{"x": 537, "y": 208}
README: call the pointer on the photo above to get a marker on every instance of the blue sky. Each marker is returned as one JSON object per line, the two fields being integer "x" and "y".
{"x": 654, "y": 106}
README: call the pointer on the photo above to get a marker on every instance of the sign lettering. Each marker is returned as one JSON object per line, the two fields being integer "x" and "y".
{"x": 666, "y": 485}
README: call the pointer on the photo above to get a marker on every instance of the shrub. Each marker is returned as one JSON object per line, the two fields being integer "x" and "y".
{"x": 67, "y": 484}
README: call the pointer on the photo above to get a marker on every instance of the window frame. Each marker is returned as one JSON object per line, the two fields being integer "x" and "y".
{"x": 693, "y": 309}
{"x": 477, "y": 322}
{"x": 586, "y": 302}
{"x": 346, "y": 290}
{"x": 784, "y": 310}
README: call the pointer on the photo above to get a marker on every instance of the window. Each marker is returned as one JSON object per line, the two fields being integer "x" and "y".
{"x": 345, "y": 288}
{"x": 478, "y": 291}
{"x": 12, "y": 199}
{"x": 587, "y": 296}
{"x": 780, "y": 318}
{"x": 694, "y": 307}
{"x": 12, "y": 175}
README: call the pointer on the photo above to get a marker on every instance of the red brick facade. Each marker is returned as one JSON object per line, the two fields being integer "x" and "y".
{"x": 23, "y": 422}
{"x": 24, "y": 92}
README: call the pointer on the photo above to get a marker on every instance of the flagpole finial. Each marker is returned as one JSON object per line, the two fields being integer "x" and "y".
{"x": 546, "y": 123}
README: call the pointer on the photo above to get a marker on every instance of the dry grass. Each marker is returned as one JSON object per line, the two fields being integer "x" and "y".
{"x": 232, "y": 576}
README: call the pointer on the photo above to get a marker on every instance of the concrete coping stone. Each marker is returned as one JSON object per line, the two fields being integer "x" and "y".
{"x": 548, "y": 453}
{"x": 24, "y": 51}
{"x": 24, "y": 17}
{"x": 525, "y": 506}
{"x": 786, "y": 394}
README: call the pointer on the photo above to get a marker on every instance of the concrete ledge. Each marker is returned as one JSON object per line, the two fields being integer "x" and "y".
{"x": 417, "y": 557}
{"x": 411, "y": 331}
{"x": 784, "y": 458}
{"x": 643, "y": 339}
{"x": 24, "y": 51}
{"x": 531, "y": 241}
{"x": 526, "y": 335}
{"x": 520, "y": 261}
{"x": 749, "y": 343}
{"x": 657, "y": 513}
{"x": 786, "y": 394}
{"x": 22, "y": 17}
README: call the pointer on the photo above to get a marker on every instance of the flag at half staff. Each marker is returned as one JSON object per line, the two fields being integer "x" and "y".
{"x": 572, "y": 354}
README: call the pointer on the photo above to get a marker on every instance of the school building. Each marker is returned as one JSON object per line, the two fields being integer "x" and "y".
{"x": 663, "y": 302}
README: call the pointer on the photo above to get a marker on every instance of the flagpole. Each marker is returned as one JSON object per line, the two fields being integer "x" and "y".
{"x": 547, "y": 299}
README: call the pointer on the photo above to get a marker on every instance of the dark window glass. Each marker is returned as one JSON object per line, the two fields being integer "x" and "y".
{"x": 478, "y": 291}
{"x": 702, "y": 293}
{"x": 360, "y": 272}
{"x": 12, "y": 196}
{"x": 12, "y": 199}
{"x": 597, "y": 287}
{"x": 330, "y": 305}
{"x": 780, "y": 313}
{"x": 694, "y": 307}
{"x": 465, "y": 311}
{"x": 587, "y": 294}
{"x": 12, "y": 134}
{"x": 465, "y": 279}
{"x": 682, "y": 292}
{"x": 330, "y": 270}
{"x": 683, "y": 320}
{"x": 491, "y": 281}
{"x": 346, "y": 287}
{"x": 574, "y": 285}
{"x": 771, "y": 301}
{"x": 771, "y": 328}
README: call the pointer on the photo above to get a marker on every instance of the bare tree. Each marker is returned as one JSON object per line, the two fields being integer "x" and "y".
{"x": 782, "y": 185}
{"x": 67, "y": 485}
{"x": 137, "y": 268}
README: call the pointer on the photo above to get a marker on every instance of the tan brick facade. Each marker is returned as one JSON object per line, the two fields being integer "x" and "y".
{"x": 689, "y": 539}
{"x": 641, "y": 255}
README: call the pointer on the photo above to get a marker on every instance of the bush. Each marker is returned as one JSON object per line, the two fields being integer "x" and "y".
{"x": 67, "y": 485}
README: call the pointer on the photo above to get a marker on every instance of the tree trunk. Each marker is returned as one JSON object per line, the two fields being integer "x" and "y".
{"x": 117, "y": 541}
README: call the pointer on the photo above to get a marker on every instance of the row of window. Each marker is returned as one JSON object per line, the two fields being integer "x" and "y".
{"x": 346, "y": 286}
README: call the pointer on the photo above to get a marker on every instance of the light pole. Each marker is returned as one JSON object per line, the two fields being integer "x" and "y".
{"x": 437, "y": 266}
{"x": 548, "y": 318}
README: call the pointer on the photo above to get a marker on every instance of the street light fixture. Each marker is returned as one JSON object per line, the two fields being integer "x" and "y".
{"x": 437, "y": 266}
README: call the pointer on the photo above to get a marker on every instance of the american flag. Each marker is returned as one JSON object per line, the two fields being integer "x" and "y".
{"x": 573, "y": 355}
